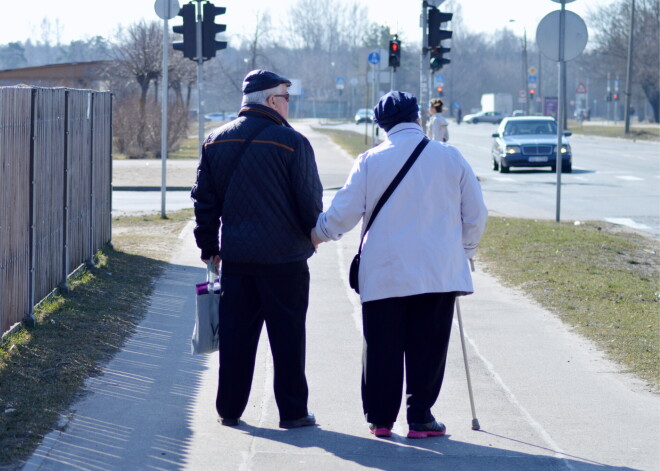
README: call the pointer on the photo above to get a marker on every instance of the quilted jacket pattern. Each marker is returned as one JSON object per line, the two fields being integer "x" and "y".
{"x": 271, "y": 202}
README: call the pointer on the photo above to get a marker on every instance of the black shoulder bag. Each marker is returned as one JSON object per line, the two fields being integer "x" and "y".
{"x": 355, "y": 264}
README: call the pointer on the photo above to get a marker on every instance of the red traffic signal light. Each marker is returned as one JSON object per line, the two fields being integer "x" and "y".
{"x": 395, "y": 53}
{"x": 532, "y": 92}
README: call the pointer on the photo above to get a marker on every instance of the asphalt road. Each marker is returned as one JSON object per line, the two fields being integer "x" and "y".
{"x": 613, "y": 180}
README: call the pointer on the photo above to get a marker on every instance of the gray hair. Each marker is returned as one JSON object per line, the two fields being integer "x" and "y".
{"x": 260, "y": 97}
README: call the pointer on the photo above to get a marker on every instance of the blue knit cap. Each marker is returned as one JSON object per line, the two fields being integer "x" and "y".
{"x": 394, "y": 108}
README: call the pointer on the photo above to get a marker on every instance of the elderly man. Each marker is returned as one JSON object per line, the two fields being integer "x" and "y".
{"x": 414, "y": 262}
{"x": 257, "y": 178}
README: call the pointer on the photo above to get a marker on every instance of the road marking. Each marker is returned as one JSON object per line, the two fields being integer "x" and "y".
{"x": 504, "y": 179}
{"x": 584, "y": 179}
{"x": 559, "y": 453}
{"x": 629, "y": 223}
{"x": 630, "y": 178}
{"x": 353, "y": 297}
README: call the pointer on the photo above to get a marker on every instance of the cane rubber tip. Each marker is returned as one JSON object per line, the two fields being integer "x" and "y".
{"x": 475, "y": 424}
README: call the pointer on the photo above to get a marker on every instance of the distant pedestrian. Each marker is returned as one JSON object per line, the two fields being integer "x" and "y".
{"x": 437, "y": 127}
{"x": 257, "y": 178}
{"x": 414, "y": 262}
{"x": 459, "y": 115}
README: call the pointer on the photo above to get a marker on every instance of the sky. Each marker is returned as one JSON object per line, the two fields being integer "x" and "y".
{"x": 82, "y": 19}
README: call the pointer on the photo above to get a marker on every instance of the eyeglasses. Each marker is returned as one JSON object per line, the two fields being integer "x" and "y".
{"x": 286, "y": 96}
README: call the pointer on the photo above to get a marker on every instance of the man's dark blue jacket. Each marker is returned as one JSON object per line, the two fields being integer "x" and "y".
{"x": 271, "y": 202}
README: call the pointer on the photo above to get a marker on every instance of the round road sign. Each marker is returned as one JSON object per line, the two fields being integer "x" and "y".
{"x": 167, "y": 9}
{"x": 575, "y": 35}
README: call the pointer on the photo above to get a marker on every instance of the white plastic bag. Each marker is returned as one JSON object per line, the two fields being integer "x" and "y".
{"x": 206, "y": 333}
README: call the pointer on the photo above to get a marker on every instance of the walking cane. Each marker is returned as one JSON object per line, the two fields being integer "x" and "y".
{"x": 475, "y": 421}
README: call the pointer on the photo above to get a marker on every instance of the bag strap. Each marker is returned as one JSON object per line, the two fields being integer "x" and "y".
{"x": 390, "y": 189}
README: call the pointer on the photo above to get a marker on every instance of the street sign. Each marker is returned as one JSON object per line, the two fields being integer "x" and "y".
{"x": 522, "y": 93}
{"x": 531, "y": 79}
{"x": 374, "y": 58}
{"x": 339, "y": 83}
{"x": 581, "y": 88}
{"x": 575, "y": 35}
{"x": 438, "y": 81}
{"x": 167, "y": 9}
{"x": 532, "y": 70}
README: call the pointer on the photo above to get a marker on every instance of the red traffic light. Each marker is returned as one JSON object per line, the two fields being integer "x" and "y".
{"x": 532, "y": 91}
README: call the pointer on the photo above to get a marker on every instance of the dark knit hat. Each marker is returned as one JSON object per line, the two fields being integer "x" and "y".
{"x": 259, "y": 79}
{"x": 394, "y": 108}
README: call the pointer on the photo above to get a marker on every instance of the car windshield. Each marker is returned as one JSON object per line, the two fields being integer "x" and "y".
{"x": 516, "y": 128}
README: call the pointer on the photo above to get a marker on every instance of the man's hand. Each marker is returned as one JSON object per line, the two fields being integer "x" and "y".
{"x": 315, "y": 239}
{"x": 216, "y": 262}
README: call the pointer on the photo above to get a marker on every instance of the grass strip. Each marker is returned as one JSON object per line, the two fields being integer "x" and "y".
{"x": 645, "y": 133}
{"x": 597, "y": 278}
{"x": 352, "y": 142}
{"x": 43, "y": 369}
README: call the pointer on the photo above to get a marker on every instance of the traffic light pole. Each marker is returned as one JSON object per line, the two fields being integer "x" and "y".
{"x": 561, "y": 108}
{"x": 163, "y": 99}
{"x": 423, "y": 64}
{"x": 200, "y": 80}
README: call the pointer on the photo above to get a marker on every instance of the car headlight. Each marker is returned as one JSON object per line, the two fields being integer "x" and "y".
{"x": 565, "y": 148}
{"x": 512, "y": 149}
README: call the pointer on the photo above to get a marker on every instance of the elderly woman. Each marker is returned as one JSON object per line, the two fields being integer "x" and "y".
{"x": 436, "y": 128}
{"x": 414, "y": 262}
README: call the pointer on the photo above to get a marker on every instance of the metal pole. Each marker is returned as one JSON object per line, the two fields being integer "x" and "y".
{"x": 163, "y": 124}
{"x": 376, "y": 71}
{"x": 560, "y": 106}
{"x": 423, "y": 63}
{"x": 525, "y": 71}
{"x": 626, "y": 113}
{"x": 200, "y": 80}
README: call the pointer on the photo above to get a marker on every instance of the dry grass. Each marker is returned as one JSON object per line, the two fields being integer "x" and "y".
{"x": 43, "y": 369}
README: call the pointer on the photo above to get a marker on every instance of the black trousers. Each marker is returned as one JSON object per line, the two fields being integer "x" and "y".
{"x": 414, "y": 330}
{"x": 246, "y": 302}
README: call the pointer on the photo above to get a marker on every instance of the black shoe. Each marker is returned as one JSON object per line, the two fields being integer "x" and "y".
{"x": 381, "y": 431}
{"x": 229, "y": 422}
{"x": 306, "y": 421}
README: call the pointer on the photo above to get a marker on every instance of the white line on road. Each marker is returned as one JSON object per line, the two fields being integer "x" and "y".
{"x": 559, "y": 453}
{"x": 628, "y": 222}
{"x": 504, "y": 179}
{"x": 630, "y": 178}
{"x": 352, "y": 296}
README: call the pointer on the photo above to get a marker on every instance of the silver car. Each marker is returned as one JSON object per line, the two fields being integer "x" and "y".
{"x": 530, "y": 141}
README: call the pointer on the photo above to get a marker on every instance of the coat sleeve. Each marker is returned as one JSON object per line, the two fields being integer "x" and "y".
{"x": 207, "y": 209}
{"x": 473, "y": 210}
{"x": 348, "y": 205}
{"x": 306, "y": 186}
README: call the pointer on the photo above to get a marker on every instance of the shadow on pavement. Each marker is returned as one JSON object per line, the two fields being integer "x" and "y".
{"x": 399, "y": 453}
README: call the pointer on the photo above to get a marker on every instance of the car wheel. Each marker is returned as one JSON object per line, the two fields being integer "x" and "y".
{"x": 475, "y": 121}
{"x": 568, "y": 168}
{"x": 495, "y": 165}
{"x": 503, "y": 169}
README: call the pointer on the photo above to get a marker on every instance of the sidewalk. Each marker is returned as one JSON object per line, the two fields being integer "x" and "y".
{"x": 546, "y": 399}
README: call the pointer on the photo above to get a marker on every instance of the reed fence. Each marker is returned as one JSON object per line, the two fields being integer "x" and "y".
{"x": 55, "y": 190}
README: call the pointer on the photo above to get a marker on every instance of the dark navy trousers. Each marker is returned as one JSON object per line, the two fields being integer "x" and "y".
{"x": 410, "y": 330}
{"x": 246, "y": 302}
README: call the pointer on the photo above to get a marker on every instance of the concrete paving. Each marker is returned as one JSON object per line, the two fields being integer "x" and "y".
{"x": 546, "y": 398}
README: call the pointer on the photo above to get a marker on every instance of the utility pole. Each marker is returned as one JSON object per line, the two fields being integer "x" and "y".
{"x": 629, "y": 71}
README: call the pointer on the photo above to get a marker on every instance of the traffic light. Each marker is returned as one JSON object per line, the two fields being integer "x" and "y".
{"x": 395, "y": 52}
{"x": 437, "y": 59}
{"x": 189, "y": 30}
{"x": 435, "y": 20}
{"x": 210, "y": 29}
{"x": 608, "y": 97}
{"x": 615, "y": 97}
{"x": 532, "y": 92}
{"x": 441, "y": 91}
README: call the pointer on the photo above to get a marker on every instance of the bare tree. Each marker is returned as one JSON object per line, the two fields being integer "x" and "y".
{"x": 611, "y": 27}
